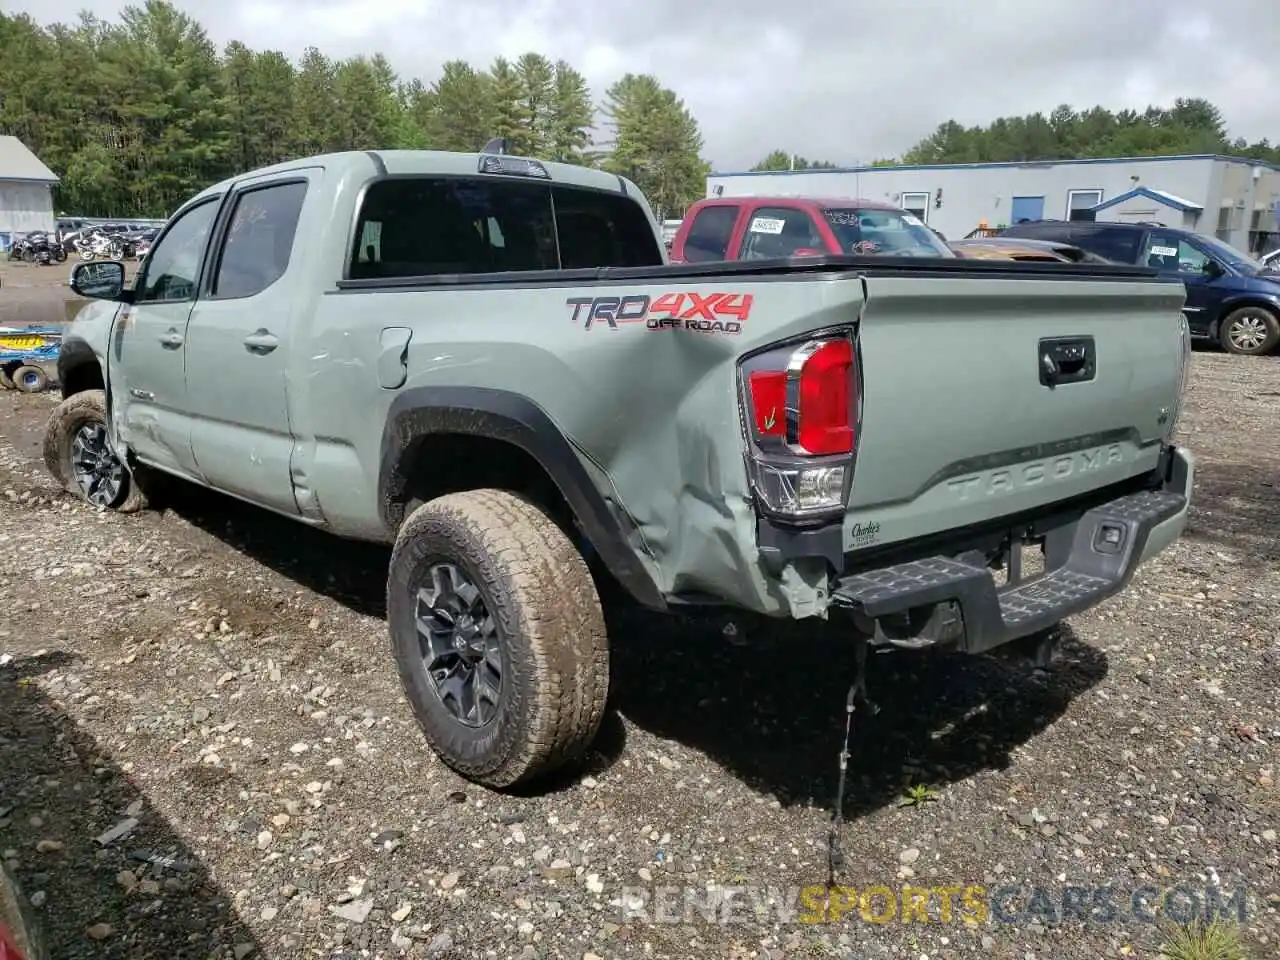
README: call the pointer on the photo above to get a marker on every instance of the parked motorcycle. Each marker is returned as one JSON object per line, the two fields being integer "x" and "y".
{"x": 99, "y": 246}
{"x": 38, "y": 248}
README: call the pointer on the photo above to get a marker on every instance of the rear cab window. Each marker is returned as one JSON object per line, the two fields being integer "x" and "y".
{"x": 423, "y": 226}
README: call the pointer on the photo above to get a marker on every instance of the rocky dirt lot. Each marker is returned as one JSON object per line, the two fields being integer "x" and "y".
{"x": 204, "y": 752}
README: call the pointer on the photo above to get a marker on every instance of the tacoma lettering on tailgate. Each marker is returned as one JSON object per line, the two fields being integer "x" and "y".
{"x": 704, "y": 313}
{"x": 1035, "y": 472}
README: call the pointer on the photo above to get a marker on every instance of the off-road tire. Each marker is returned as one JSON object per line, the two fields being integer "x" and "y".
{"x": 6, "y": 378}
{"x": 29, "y": 379}
{"x": 554, "y": 648}
{"x": 1267, "y": 318}
{"x": 67, "y": 417}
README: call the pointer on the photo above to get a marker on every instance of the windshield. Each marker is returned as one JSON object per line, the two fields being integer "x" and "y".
{"x": 1233, "y": 257}
{"x": 893, "y": 233}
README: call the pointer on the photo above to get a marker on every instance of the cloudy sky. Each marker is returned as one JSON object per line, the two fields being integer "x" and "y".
{"x": 842, "y": 80}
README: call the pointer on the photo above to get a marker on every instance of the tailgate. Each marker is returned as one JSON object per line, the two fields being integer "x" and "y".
{"x": 963, "y": 419}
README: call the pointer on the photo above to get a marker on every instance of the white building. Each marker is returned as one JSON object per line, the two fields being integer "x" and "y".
{"x": 1236, "y": 200}
{"x": 26, "y": 191}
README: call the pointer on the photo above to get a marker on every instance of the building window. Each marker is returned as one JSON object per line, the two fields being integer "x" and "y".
{"x": 916, "y": 204}
{"x": 1080, "y": 203}
{"x": 1226, "y": 221}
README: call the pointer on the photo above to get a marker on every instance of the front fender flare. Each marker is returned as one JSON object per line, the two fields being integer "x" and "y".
{"x": 511, "y": 418}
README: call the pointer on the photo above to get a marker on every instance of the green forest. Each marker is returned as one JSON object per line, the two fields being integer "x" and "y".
{"x": 136, "y": 115}
{"x": 1189, "y": 126}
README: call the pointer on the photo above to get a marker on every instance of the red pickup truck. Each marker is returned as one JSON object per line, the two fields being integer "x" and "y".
{"x": 766, "y": 228}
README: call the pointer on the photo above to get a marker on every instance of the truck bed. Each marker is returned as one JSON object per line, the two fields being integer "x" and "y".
{"x": 957, "y": 429}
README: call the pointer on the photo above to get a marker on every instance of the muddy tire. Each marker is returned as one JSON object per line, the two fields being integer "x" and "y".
{"x": 30, "y": 379}
{"x": 1250, "y": 331}
{"x": 6, "y": 378}
{"x": 496, "y": 585}
{"x": 84, "y": 415}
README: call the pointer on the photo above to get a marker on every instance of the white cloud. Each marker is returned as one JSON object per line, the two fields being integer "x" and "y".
{"x": 830, "y": 79}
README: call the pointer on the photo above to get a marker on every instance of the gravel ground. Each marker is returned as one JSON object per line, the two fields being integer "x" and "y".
{"x": 213, "y": 685}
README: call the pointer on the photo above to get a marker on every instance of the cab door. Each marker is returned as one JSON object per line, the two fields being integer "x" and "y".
{"x": 147, "y": 361}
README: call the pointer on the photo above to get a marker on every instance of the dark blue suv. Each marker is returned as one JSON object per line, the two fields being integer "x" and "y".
{"x": 1231, "y": 298}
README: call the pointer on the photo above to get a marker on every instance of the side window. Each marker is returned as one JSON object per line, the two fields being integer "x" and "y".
{"x": 710, "y": 233}
{"x": 173, "y": 265}
{"x": 424, "y": 226}
{"x": 1117, "y": 244}
{"x": 1172, "y": 253}
{"x": 779, "y": 232}
{"x": 598, "y": 229}
{"x": 259, "y": 240}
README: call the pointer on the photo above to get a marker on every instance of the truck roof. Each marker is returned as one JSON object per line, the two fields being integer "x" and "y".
{"x": 426, "y": 163}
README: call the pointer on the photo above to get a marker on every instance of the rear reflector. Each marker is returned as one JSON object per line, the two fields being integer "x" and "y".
{"x": 769, "y": 402}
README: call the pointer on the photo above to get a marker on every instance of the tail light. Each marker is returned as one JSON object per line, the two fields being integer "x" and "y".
{"x": 802, "y": 404}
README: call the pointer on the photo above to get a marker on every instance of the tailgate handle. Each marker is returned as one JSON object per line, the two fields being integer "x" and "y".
{"x": 1067, "y": 360}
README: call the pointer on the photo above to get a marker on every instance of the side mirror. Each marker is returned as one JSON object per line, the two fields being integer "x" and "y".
{"x": 100, "y": 280}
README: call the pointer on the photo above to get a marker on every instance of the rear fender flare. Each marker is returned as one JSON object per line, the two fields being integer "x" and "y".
{"x": 511, "y": 418}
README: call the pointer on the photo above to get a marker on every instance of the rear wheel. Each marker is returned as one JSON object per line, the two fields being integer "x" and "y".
{"x": 6, "y": 377}
{"x": 1251, "y": 331}
{"x": 30, "y": 379}
{"x": 498, "y": 636}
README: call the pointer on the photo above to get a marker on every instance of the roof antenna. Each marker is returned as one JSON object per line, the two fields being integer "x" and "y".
{"x": 496, "y": 145}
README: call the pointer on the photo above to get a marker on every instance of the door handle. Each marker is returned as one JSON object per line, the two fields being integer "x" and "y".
{"x": 1067, "y": 360}
{"x": 261, "y": 342}
{"x": 171, "y": 340}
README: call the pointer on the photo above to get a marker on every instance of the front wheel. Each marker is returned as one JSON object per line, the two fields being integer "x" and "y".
{"x": 77, "y": 452}
{"x": 1250, "y": 331}
{"x": 86, "y": 255}
{"x": 498, "y": 636}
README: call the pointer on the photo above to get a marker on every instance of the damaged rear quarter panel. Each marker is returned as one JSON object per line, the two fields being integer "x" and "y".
{"x": 653, "y": 411}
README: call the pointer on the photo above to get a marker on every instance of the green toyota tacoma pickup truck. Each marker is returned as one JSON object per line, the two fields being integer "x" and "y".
{"x": 488, "y": 362}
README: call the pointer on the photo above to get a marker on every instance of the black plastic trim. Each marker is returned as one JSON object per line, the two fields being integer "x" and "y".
{"x": 378, "y": 163}
{"x": 1079, "y": 574}
{"x": 73, "y": 354}
{"x": 501, "y": 415}
{"x": 788, "y": 268}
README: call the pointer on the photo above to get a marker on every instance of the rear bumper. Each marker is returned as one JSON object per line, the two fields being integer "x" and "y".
{"x": 948, "y": 599}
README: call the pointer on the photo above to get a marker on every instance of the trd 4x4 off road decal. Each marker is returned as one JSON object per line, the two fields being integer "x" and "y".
{"x": 704, "y": 313}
